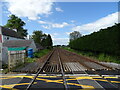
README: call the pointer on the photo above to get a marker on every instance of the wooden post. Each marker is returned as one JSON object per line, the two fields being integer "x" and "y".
{"x": 9, "y": 60}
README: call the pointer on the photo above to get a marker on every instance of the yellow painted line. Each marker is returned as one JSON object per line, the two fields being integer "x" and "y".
{"x": 58, "y": 76}
{"x": 87, "y": 89}
{"x": 115, "y": 81}
{"x": 83, "y": 86}
{"x": 27, "y": 76}
{"x": 7, "y": 87}
{"x": 48, "y": 76}
{"x": 31, "y": 77}
{"x": 71, "y": 79}
{"x": 107, "y": 81}
{"x": 84, "y": 78}
{"x": 12, "y": 85}
{"x": 56, "y": 81}
{"x": 9, "y": 77}
{"x": 111, "y": 77}
{"x": 46, "y": 80}
{"x": 96, "y": 77}
{"x": 101, "y": 80}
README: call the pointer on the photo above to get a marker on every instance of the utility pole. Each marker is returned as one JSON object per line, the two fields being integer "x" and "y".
{"x": 0, "y": 48}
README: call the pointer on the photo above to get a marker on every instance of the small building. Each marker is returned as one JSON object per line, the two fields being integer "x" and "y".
{"x": 13, "y": 47}
{"x": 15, "y": 51}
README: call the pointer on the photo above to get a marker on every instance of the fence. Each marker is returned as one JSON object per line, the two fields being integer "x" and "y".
{"x": 15, "y": 58}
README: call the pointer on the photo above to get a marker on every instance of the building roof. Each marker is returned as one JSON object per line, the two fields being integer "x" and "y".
{"x": 17, "y": 49}
{"x": 17, "y": 43}
{"x": 11, "y": 33}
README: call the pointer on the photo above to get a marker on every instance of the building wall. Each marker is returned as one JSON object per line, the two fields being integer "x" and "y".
{"x": 4, "y": 38}
{"x": 15, "y": 58}
{"x": 5, "y": 55}
{"x": 33, "y": 46}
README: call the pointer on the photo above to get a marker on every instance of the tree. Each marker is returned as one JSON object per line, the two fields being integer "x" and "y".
{"x": 42, "y": 39}
{"x": 16, "y": 23}
{"x": 38, "y": 36}
{"x": 47, "y": 41}
{"x": 74, "y": 35}
{"x": 105, "y": 41}
{"x": 50, "y": 43}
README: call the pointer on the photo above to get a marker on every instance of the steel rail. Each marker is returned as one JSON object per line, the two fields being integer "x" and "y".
{"x": 86, "y": 74}
{"x": 40, "y": 69}
{"x": 62, "y": 71}
{"x": 95, "y": 73}
{"x": 88, "y": 59}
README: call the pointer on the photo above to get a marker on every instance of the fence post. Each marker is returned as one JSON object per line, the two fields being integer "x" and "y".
{"x": 9, "y": 60}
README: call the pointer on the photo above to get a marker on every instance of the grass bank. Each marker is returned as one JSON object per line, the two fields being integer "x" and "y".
{"x": 37, "y": 55}
{"x": 100, "y": 57}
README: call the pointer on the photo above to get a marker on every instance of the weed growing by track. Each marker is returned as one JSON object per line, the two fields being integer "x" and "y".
{"x": 101, "y": 57}
{"x": 37, "y": 55}
{"x": 41, "y": 53}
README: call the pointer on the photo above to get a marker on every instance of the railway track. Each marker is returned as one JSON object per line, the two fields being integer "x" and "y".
{"x": 63, "y": 62}
{"x": 55, "y": 62}
{"x": 89, "y": 70}
{"x": 71, "y": 62}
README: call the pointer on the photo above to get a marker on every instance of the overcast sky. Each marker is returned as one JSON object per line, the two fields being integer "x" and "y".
{"x": 61, "y": 18}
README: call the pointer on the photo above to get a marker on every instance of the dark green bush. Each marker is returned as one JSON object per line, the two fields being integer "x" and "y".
{"x": 104, "y": 41}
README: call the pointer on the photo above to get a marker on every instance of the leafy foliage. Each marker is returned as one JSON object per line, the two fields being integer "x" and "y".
{"x": 104, "y": 41}
{"x": 99, "y": 56}
{"x": 16, "y": 23}
{"x": 37, "y": 36}
{"x": 74, "y": 35}
{"x": 42, "y": 39}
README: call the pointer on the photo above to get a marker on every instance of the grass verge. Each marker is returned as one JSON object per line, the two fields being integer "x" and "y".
{"x": 37, "y": 55}
{"x": 100, "y": 57}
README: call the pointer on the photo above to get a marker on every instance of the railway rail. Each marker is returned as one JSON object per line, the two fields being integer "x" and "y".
{"x": 63, "y": 62}
{"x": 46, "y": 64}
{"x": 93, "y": 70}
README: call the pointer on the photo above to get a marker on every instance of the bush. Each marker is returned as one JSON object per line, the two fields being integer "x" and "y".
{"x": 4, "y": 66}
{"x": 104, "y": 41}
{"x": 29, "y": 60}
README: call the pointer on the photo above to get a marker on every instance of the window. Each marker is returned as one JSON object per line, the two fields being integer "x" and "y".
{"x": 7, "y": 38}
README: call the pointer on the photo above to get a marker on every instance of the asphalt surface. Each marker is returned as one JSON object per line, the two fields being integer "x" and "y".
{"x": 19, "y": 81}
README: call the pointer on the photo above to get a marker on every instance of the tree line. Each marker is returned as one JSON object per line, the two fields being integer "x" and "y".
{"x": 38, "y": 36}
{"x": 104, "y": 41}
{"x": 42, "y": 39}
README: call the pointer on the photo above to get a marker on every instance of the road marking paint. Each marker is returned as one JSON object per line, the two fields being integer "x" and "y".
{"x": 10, "y": 86}
{"x": 115, "y": 81}
{"x": 110, "y": 77}
{"x": 57, "y": 81}
{"x": 7, "y": 87}
{"x": 101, "y": 80}
{"x": 47, "y": 76}
{"x": 83, "y": 78}
{"x": 107, "y": 81}
{"x": 47, "y": 80}
{"x": 83, "y": 86}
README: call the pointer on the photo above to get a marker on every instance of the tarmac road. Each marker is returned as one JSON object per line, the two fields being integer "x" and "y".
{"x": 20, "y": 81}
